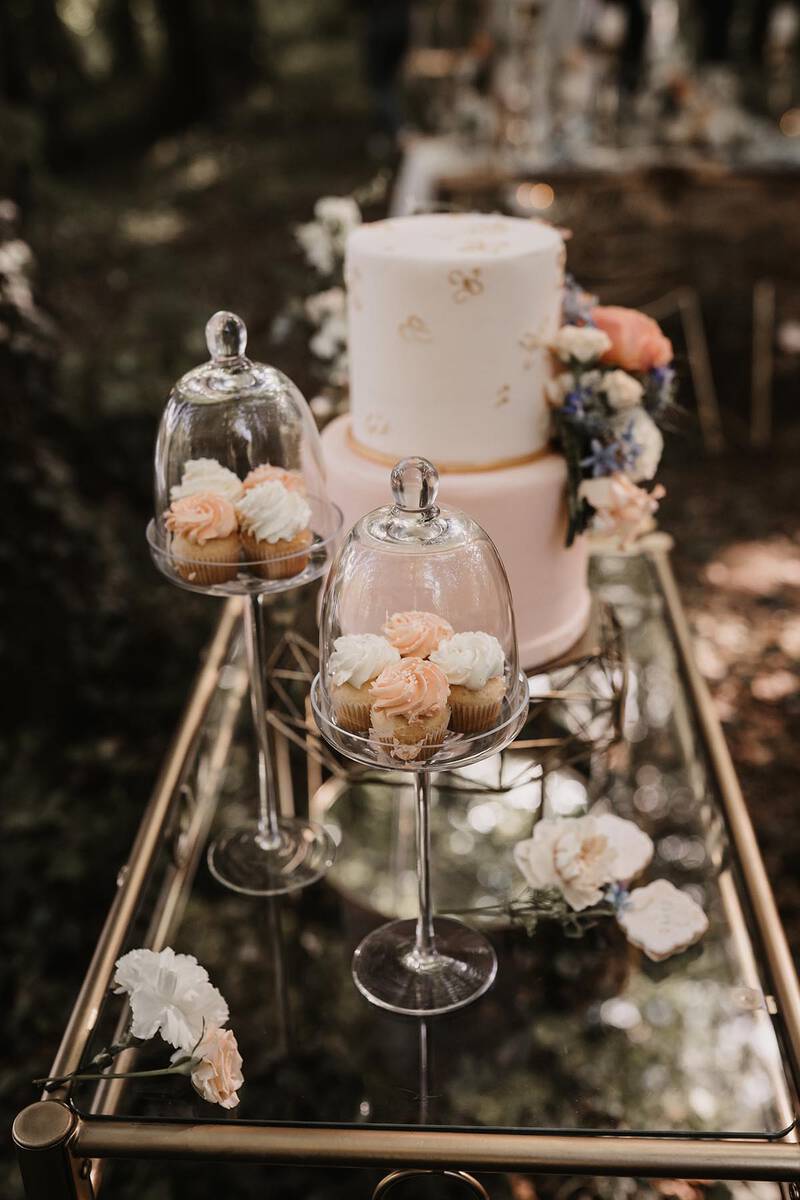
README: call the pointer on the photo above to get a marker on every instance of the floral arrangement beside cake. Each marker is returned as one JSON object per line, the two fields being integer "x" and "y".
{"x": 416, "y": 682}
{"x": 615, "y": 385}
{"x": 218, "y": 523}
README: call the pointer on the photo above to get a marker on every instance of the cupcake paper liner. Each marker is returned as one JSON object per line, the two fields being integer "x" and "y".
{"x": 271, "y": 561}
{"x": 474, "y": 718}
{"x": 207, "y": 564}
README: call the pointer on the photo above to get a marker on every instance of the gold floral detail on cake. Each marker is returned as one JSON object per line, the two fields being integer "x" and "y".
{"x": 503, "y": 395}
{"x": 465, "y": 284}
{"x": 375, "y": 424}
{"x": 414, "y": 329}
{"x": 482, "y": 247}
{"x": 531, "y": 342}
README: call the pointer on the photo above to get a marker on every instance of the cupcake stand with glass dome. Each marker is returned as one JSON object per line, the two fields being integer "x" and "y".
{"x": 241, "y": 510}
{"x": 451, "y": 694}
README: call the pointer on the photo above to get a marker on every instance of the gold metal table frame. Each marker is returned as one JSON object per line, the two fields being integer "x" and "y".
{"x": 61, "y": 1153}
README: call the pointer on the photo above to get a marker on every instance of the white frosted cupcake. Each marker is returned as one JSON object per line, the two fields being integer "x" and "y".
{"x": 265, "y": 473}
{"x": 205, "y": 538}
{"x": 203, "y": 475}
{"x": 474, "y": 666}
{"x": 357, "y": 659}
{"x": 274, "y": 525}
{"x": 409, "y": 712}
{"x": 416, "y": 634}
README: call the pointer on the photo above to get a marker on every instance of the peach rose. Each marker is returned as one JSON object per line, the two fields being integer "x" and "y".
{"x": 637, "y": 343}
{"x": 218, "y": 1075}
{"x": 622, "y": 509}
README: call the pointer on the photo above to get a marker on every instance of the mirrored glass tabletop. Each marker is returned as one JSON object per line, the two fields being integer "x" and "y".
{"x": 579, "y": 1033}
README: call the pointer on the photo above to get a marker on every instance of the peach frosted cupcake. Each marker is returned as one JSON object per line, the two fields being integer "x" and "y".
{"x": 203, "y": 475}
{"x": 274, "y": 525}
{"x": 357, "y": 659}
{"x": 205, "y": 538}
{"x": 474, "y": 666}
{"x": 409, "y": 713}
{"x": 416, "y": 634}
{"x": 292, "y": 480}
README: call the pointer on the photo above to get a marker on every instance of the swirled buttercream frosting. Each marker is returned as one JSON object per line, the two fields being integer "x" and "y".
{"x": 201, "y": 518}
{"x": 207, "y": 475}
{"x": 416, "y": 633}
{"x": 271, "y": 513}
{"x": 470, "y": 660}
{"x": 411, "y": 688}
{"x": 359, "y": 657}
{"x": 292, "y": 480}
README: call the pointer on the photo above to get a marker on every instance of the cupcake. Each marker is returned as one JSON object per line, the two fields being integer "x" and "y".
{"x": 205, "y": 538}
{"x": 474, "y": 666}
{"x": 274, "y": 527}
{"x": 356, "y": 660}
{"x": 409, "y": 712}
{"x": 416, "y": 634}
{"x": 202, "y": 475}
{"x": 292, "y": 480}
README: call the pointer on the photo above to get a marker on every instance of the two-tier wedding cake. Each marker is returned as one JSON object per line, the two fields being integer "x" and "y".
{"x": 450, "y": 317}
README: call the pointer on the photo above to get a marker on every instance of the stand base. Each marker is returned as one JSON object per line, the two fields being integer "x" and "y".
{"x": 305, "y": 852}
{"x": 388, "y": 971}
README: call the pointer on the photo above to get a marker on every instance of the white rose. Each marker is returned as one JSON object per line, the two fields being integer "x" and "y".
{"x": 583, "y": 343}
{"x": 560, "y": 387}
{"x": 622, "y": 390}
{"x": 646, "y": 436}
{"x": 218, "y": 1075}
{"x": 622, "y": 509}
{"x": 581, "y": 856}
{"x": 169, "y": 994}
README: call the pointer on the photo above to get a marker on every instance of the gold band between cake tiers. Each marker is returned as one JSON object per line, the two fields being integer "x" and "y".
{"x": 444, "y": 468}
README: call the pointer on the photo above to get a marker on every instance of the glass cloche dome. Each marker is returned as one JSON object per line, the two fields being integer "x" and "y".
{"x": 240, "y": 499}
{"x": 241, "y": 509}
{"x": 418, "y": 650}
{"x": 418, "y": 674}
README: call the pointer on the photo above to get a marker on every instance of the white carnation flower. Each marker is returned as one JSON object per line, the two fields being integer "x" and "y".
{"x": 646, "y": 436}
{"x": 622, "y": 390}
{"x": 169, "y": 994}
{"x": 582, "y": 343}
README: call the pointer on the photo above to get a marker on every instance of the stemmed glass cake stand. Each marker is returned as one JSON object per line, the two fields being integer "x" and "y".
{"x": 415, "y": 557}
{"x": 241, "y": 415}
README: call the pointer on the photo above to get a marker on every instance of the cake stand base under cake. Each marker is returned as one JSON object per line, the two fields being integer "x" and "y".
{"x": 521, "y": 508}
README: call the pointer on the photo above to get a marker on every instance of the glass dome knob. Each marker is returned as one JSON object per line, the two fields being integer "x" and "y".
{"x": 415, "y": 484}
{"x": 226, "y": 336}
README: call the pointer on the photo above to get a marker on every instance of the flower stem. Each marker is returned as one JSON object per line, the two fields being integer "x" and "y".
{"x": 183, "y": 1066}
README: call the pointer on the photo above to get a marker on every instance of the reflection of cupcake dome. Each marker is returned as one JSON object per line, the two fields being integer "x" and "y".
{"x": 207, "y": 475}
{"x": 416, "y": 633}
{"x": 205, "y": 540}
{"x": 409, "y": 708}
{"x": 357, "y": 659}
{"x": 474, "y": 665}
{"x": 274, "y": 525}
{"x": 266, "y": 473}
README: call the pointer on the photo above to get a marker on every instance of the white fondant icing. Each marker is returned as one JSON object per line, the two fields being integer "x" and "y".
{"x": 440, "y": 350}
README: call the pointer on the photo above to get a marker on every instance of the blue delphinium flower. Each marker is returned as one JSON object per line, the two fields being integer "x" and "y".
{"x": 607, "y": 458}
{"x": 577, "y": 304}
{"x": 659, "y": 390}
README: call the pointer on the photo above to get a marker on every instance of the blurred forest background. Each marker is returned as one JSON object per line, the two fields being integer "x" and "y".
{"x": 154, "y": 156}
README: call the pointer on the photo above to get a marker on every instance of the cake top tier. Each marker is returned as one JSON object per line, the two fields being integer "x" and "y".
{"x": 454, "y": 238}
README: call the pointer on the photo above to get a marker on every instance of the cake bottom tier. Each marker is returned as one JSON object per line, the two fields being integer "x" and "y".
{"x": 522, "y": 509}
